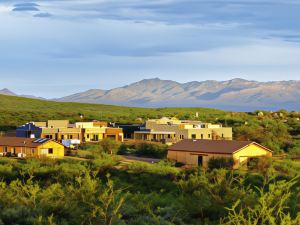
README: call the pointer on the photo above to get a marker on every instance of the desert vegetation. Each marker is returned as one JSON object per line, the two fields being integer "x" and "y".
{"x": 105, "y": 190}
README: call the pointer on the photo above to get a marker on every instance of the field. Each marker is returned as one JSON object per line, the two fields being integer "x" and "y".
{"x": 96, "y": 188}
{"x": 16, "y": 110}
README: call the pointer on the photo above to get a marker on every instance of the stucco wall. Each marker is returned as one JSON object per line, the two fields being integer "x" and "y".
{"x": 191, "y": 158}
{"x": 252, "y": 150}
{"x": 58, "y": 149}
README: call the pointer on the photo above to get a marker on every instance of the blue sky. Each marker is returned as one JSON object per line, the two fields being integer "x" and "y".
{"x": 52, "y": 48}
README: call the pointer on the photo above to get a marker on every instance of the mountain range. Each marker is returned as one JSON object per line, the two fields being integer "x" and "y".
{"x": 235, "y": 94}
{"x": 6, "y": 91}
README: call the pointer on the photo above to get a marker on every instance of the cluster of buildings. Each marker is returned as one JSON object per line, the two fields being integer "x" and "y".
{"x": 172, "y": 130}
{"x": 190, "y": 142}
{"x": 65, "y": 132}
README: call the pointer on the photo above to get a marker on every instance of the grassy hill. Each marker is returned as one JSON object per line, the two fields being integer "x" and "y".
{"x": 17, "y": 110}
{"x": 279, "y": 131}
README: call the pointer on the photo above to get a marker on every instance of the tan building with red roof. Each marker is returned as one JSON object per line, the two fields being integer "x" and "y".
{"x": 199, "y": 152}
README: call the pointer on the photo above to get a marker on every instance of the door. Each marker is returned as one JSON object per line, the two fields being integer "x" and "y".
{"x": 200, "y": 160}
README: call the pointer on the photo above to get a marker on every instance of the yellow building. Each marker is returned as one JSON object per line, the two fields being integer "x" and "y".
{"x": 177, "y": 130}
{"x": 60, "y": 134}
{"x": 94, "y": 134}
{"x": 199, "y": 152}
{"x": 31, "y": 147}
{"x": 96, "y": 131}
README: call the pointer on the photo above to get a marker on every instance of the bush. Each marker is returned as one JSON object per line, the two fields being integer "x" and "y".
{"x": 109, "y": 146}
{"x": 144, "y": 150}
{"x": 261, "y": 164}
{"x": 220, "y": 162}
{"x": 151, "y": 150}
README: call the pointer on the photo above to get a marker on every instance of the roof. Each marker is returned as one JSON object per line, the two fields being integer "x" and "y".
{"x": 23, "y": 142}
{"x": 212, "y": 146}
{"x": 154, "y": 132}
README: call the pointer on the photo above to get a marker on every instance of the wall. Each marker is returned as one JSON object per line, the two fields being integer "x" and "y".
{"x": 89, "y": 134}
{"x": 252, "y": 150}
{"x": 191, "y": 158}
{"x": 115, "y": 133}
{"x": 84, "y": 125}
{"x": 30, "y": 152}
{"x": 58, "y": 123}
{"x": 58, "y": 149}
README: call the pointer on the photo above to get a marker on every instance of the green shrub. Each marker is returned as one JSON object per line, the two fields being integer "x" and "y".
{"x": 261, "y": 164}
{"x": 220, "y": 162}
{"x": 109, "y": 146}
{"x": 151, "y": 150}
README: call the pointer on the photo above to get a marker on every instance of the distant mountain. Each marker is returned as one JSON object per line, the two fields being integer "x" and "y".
{"x": 6, "y": 91}
{"x": 236, "y": 94}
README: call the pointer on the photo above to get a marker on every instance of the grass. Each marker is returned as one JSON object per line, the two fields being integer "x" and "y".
{"x": 15, "y": 111}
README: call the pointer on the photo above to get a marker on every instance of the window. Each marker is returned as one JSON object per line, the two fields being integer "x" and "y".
{"x": 50, "y": 151}
{"x": 169, "y": 135}
{"x": 14, "y": 150}
{"x": 87, "y": 136}
{"x": 44, "y": 151}
{"x": 209, "y": 135}
{"x": 5, "y": 149}
{"x": 202, "y": 136}
{"x": 222, "y": 135}
{"x": 95, "y": 137}
{"x": 32, "y": 151}
{"x": 71, "y": 137}
{"x": 193, "y": 136}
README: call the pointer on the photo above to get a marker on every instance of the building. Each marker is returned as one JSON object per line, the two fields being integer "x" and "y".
{"x": 114, "y": 133}
{"x": 129, "y": 129}
{"x": 31, "y": 147}
{"x": 199, "y": 152}
{"x": 91, "y": 132}
{"x": 165, "y": 137}
{"x": 29, "y": 130}
{"x": 172, "y": 130}
{"x": 60, "y": 134}
{"x": 64, "y": 132}
{"x": 58, "y": 123}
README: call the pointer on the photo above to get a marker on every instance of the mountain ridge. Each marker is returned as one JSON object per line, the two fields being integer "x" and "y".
{"x": 235, "y": 94}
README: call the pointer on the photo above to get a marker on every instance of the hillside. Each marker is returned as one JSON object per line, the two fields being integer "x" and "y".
{"x": 17, "y": 110}
{"x": 235, "y": 95}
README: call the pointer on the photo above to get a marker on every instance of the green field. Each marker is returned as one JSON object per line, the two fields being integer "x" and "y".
{"x": 15, "y": 111}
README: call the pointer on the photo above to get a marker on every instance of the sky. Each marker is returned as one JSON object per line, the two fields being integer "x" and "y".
{"x": 53, "y": 48}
